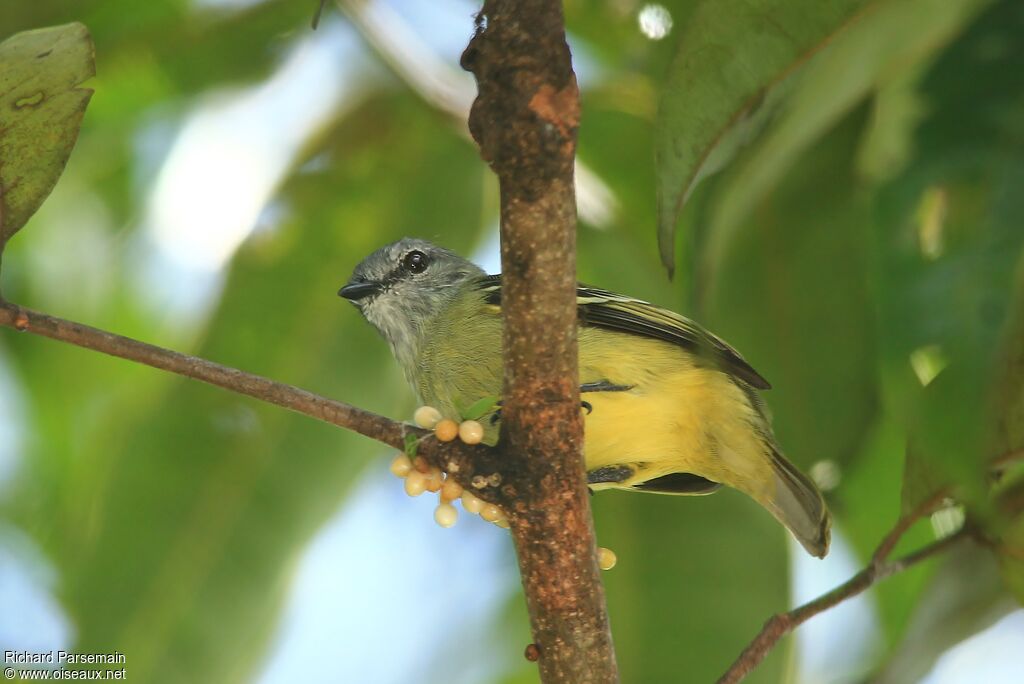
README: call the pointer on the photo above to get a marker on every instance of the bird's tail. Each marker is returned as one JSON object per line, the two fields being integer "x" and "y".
{"x": 798, "y": 505}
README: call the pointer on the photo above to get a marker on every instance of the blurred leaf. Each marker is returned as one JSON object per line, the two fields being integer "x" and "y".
{"x": 886, "y": 45}
{"x": 612, "y": 31}
{"x": 1008, "y": 398}
{"x": 41, "y": 109}
{"x": 731, "y": 53}
{"x": 1010, "y": 546}
{"x": 696, "y": 578}
{"x": 947, "y": 267}
{"x": 196, "y": 46}
{"x": 817, "y": 351}
{"x": 1008, "y": 403}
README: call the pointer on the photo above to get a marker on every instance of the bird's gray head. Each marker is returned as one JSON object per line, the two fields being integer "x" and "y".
{"x": 402, "y": 286}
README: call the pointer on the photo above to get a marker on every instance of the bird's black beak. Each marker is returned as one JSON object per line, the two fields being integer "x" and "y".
{"x": 356, "y": 291}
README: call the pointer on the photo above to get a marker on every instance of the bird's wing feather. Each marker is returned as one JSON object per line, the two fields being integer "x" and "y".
{"x": 604, "y": 309}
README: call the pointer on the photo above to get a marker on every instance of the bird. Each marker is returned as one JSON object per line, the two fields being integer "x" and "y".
{"x": 670, "y": 408}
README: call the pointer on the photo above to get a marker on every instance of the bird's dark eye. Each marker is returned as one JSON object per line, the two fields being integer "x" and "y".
{"x": 415, "y": 261}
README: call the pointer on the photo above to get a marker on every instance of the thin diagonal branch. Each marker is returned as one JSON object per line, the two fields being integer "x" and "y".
{"x": 889, "y": 542}
{"x": 460, "y": 460}
{"x": 877, "y": 570}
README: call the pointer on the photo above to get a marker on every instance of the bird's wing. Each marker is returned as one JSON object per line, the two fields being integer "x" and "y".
{"x": 604, "y": 309}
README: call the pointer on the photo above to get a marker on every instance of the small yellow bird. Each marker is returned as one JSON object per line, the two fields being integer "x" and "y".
{"x": 671, "y": 408}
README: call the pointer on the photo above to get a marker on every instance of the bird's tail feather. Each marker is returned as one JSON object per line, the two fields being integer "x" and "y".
{"x": 799, "y": 506}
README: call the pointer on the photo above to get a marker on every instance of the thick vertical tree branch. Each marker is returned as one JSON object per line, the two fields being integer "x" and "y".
{"x": 525, "y": 120}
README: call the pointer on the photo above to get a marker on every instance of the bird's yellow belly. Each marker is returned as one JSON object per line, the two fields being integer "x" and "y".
{"x": 677, "y": 418}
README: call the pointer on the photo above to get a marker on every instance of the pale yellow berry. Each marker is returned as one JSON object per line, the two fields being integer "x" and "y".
{"x": 415, "y": 483}
{"x": 472, "y": 503}
{"x": 606, "y": 558}
{"x": 502, "y": 522}
{"x": 445, "y": 515}
{"x": 401, "y": 466}
{"x": 450, "y": 490}
{"x": 446, "y": 430}
{"x": 427, "y": 417}
{"x": 471, "y": 432}
{"x": 491, "y": 513}
{"x": 435, "y": 480}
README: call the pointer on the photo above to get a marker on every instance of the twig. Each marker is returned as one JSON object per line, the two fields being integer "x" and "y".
{"x": 461, "y": 460}
{"x": 1006, "y": 460}
{"x": 877, "y": 570}
{"x": 889, "y": 542}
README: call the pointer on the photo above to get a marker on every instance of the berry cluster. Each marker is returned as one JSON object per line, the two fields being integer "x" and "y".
{"x": 422, "y": 477}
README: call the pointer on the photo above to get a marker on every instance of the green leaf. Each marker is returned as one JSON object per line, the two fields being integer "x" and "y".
{"x": 817, "y": 350}
{"x": 479, "y": 408}
{"x": 1008, "y": 447}
{"x": 695, "y": 580}
{"x": 412, "y": 443}
{"x": 731, "y": 54}
{"x": 1010, "y": 547}
{"x": 885, "y": 49}
{"x": 949, "y": 242}
{"x": 41, "y": 110}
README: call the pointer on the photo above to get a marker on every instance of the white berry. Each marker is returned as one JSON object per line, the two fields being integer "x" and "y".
{"x": 471, "y": 432}
{"x": 450, "y": 490}
{"x": 472, "y": 503}
{"x": 445, "y": 515}
{"x": 401, "y": 466}
{"x": 427, "y": 417}
{"x": 415, "y": 483}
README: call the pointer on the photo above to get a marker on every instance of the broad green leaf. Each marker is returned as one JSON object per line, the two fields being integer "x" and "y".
{"x": 949, "y": 240}
{"x": 886, "y": 47}
{"x": 696, "y": 578}
{"x": 817, "y": 350}
{"x": 41, "y": 110}
{"x": 730, "y": 56}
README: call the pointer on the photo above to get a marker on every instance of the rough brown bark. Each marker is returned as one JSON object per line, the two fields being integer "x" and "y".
{"x": 525, "y": 120}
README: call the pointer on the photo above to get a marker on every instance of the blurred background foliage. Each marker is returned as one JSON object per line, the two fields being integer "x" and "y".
{"x": 862, "y": 247}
